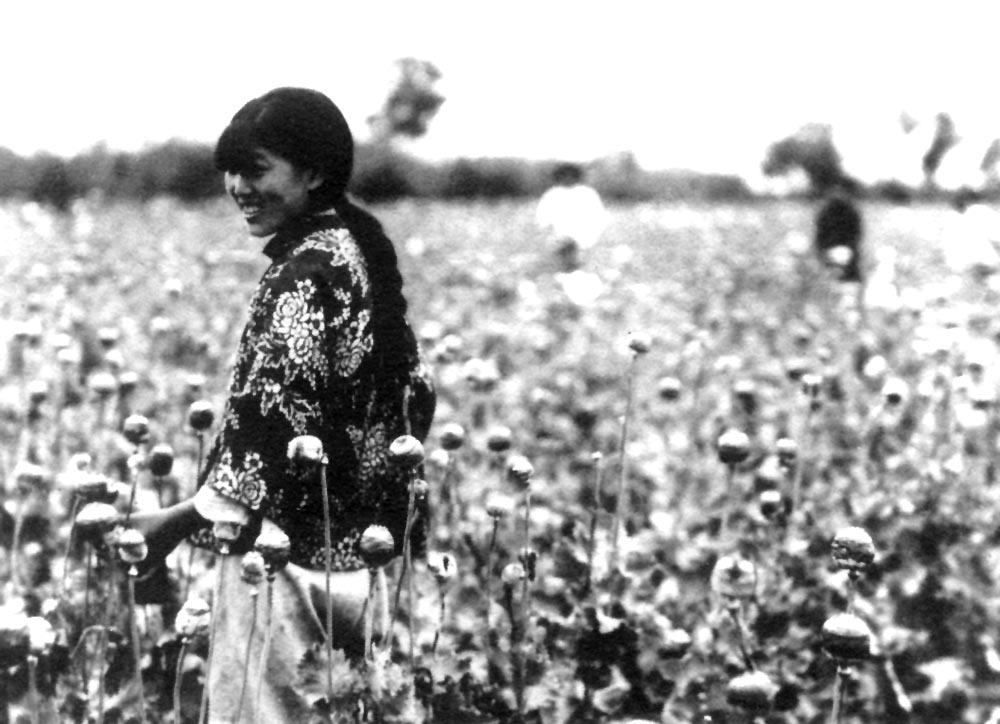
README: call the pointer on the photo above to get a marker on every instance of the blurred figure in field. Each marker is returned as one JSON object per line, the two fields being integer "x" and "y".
{"x": 882, "y": 288}
{"x": 571, "y": 214}
{"x": 839, "y": 233}
{"x": 971, "y": 238}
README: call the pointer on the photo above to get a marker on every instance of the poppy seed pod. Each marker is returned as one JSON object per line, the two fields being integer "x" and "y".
{"x": 438, "y": 459}
{"x": 108, "y": 336}
{"x": 38, "y": 392}
{"x": 127, "y": 382}
{"x": 305, "y": 452}
{"x": 194, "y": 383}
{"x": 15, "y": 638}
{"x": 811, "y": 384}
{"x": 376, "y": 546}
{"x": 173, "y": 287}
{"x": 60, "y": 341}
{"x": 194, "y": 618}
{"x": 676, "y": 643}
{"x": 846, "y": 637}
{"x": 795, "y": 368}
{"x": 875, "y": 368}
{"x": 136, "y": 429}
{"x": 669, "y": 388}
{"x": 200, "y": 415}
{"x": 499, "y": 505}
{"x": 639, "y": 342}
{"x": 441, "y": 565}
{"x": 833, "y": 385}
{"x": 273, "y": 544}
{"x": 734, "y": 578}
{"x": 733, "y": 447}
{"x": 895, "y": 391}
{"x": 252, "y": 568}
{"x": 132, "y": 546}
{"x": 226, "y": 531}
{"x": 96, "y": 518}
{"x": 802, "y": 335}
{"x": 853, "y": 549}
{"x": 420, "y": 489}
{"x": 520, "y": 470}
{"x": 80, "y": 461}
{"x": 31, "y": 332}
{"x": 528, "y": 557}
{"x": 30, "y": 478}
{"x": 160, "y": 325}
{"x": 430, "y": 331}
{"x": 787, "y": 451}
{"x": 93, "y": 487}
{"x": 499, "y": 439}
{"x": 406, "y": 452}
{"x": 770, "y": 503}
{"x": 753, "y": 692}
{"x": 114, "y": 359}
{"x": 746, "y": 393}
{"x": 982, "y": 397}
{"x": 512, "y": 574}
{"x": 161, "y": 460}
{"x": 482, "y": 375}
{"x": 102, "y": 384}
{"x": 768, "y": 475}
{"x": 452, "y": 436}
{"x": 41, "y": 636}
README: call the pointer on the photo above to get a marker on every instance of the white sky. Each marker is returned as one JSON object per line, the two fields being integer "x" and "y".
{"x": 702, "y": 85}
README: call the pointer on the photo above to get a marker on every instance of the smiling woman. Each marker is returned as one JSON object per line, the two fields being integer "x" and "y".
{"x": 271, "y": 193}
{"x": 327, "y": 353}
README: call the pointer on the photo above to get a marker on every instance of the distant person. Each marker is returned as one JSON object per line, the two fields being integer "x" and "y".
{"x": 839, "y": 232}
{"x": 971, "y": 238}
{"x": 571, "y": 214}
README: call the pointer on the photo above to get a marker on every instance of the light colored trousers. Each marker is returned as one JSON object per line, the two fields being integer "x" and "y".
{"x": 298, "y": 620}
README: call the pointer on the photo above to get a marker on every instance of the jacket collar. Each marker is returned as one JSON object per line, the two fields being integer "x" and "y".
{"x": 290, "y": 237}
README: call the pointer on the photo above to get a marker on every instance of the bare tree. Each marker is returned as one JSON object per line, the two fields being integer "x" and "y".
{"x": 944, "y": 140}
{"x": 412, "y": 102}
{"x": 810, "y": 149}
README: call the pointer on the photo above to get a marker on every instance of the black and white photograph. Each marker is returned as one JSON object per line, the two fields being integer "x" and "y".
{"x": 520, "y": 363}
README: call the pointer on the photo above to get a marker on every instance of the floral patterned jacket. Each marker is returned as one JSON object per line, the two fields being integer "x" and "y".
{"x": 304, "y": 367}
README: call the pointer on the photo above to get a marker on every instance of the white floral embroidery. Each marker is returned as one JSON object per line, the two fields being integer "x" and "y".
{"x": 242, "y": 482}
{"x": 355, "y": 342}
{"x": 299, "y": 359}
{"x": 343, "y": 251}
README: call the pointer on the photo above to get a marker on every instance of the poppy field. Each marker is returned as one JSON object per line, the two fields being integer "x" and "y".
{"x": 697, "y": 480}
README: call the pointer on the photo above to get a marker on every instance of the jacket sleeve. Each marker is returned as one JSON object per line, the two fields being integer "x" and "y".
{"x": 309, "y": 331}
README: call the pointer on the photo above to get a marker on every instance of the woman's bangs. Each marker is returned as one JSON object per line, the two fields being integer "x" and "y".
{"x": 235, "y": 151}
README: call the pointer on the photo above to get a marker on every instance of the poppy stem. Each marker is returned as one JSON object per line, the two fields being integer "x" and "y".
{"x": 327, "y": 565}
{"x": 136, "y": 646}
{"x": 178, "y": 679}
{"x": 621, "y": 500}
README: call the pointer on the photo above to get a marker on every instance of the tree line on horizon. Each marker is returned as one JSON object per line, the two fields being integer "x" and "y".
{"x": 185, "y": 171}
{"x": 383, "y": 172}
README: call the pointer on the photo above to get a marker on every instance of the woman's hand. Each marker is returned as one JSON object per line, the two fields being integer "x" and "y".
{"x": 164, "y": 529}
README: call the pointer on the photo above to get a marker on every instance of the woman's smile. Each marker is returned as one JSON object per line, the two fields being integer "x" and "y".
{"x": 271, "y": 193}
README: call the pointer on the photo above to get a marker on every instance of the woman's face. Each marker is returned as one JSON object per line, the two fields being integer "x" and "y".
{"x": 272, "y": 192}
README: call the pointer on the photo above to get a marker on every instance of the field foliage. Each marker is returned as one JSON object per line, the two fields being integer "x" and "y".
{"x": 642, "y": 627}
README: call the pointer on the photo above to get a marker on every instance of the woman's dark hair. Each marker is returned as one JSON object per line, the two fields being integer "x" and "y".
{"x": 306, "y": 128}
